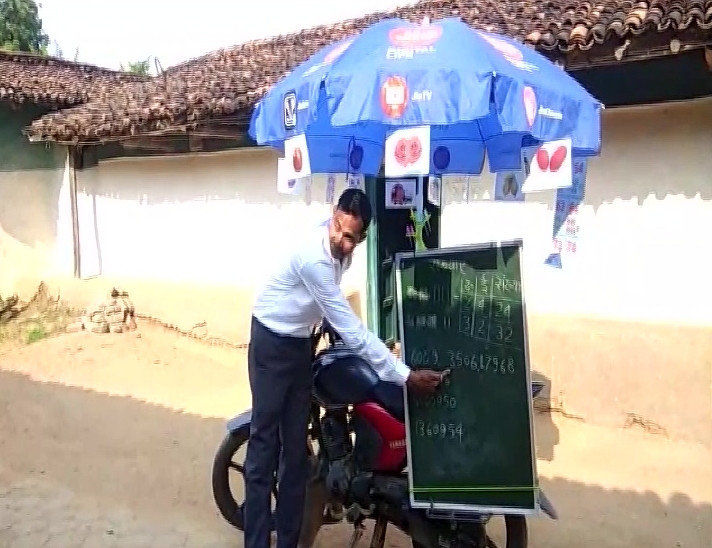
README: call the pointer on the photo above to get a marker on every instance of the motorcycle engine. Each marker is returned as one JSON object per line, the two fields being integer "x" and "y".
{"x": 338, "y": 448}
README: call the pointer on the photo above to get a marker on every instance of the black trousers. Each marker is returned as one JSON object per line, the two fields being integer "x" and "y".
{"x": 281, "y": 384}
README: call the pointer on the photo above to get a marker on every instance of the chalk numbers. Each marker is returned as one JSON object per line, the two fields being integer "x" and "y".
{"x": 443, "y": 430}
{"x": 424, "y": 357}
{"x": 482, "y": 362}
{"x": 502, "y": 333}
{"x": 503, "y": 310}
{"x": 439, "y": 401}
{"x": 481, "y": 331}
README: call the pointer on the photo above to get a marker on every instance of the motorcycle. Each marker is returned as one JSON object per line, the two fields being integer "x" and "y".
{"x": 356, "y": 442}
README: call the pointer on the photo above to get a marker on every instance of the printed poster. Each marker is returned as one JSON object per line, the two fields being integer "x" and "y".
{"x": 547, "y": 167}
{"x": 435, "y": 184}
{"x": 407, "y": 152}
{"x": 296, "y": 155}
{"x": 330, "y": 189}
{"x": 400, "y": 193}
{"x": 285, "y": 184}
{"x": 307, "y": 183}
{"x": 461, "y": 188}
{"x": 474, "y": 189}
{"x": 356, "y": 180}
{"x": 565, "y": 236}
{"x": 508, "y": 186}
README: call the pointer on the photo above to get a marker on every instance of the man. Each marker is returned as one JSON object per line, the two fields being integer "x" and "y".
{"x": 303, "y": 290}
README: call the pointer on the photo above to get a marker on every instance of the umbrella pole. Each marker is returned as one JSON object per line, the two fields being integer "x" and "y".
{"x": 420, "y": 197}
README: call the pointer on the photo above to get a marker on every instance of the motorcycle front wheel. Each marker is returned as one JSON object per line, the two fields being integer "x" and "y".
{"x": 228, "y": 477}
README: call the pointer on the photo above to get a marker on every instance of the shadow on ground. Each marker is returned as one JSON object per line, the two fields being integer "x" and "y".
{"x": 121, "y": 453}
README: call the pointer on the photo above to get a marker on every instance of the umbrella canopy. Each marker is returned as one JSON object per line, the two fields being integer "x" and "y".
{"x": 477, "y": 93}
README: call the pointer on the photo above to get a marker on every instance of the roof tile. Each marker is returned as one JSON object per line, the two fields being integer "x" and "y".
{"x": 55, "y": 82}
{"x": 230, "y": 81}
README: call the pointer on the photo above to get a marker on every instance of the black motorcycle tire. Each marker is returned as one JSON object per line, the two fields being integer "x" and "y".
{"x": 228, "y": 507}
{"x": 516, "y": 526}
{"x": 517, "y": 534}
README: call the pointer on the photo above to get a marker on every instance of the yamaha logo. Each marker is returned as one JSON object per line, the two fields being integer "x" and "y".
{"x": 290, "y": 110}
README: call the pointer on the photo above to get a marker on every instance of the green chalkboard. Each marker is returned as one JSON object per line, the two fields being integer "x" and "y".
{"x": 470, "y": 446}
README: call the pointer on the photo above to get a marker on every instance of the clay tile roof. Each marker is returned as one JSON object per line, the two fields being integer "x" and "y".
{"x": 54, "y": 82}
{"x": 229, "y": 82}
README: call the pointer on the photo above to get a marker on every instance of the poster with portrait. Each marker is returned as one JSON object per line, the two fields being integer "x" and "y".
{"x": 401, "y": 193}
{"x": 508, "y": 186}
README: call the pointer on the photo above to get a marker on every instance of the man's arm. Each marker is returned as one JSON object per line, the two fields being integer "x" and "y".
{"x": 319, "y": 279}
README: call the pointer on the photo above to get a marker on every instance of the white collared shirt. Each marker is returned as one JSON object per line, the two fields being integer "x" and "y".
{"x": 305, "y": 289}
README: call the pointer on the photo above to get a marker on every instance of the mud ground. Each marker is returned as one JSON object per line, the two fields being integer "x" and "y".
{"x": 107, "y": 441}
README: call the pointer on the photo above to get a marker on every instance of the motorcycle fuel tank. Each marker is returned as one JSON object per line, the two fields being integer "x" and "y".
{"x": 342, "y": 378}
{"x": 380, "y": 439}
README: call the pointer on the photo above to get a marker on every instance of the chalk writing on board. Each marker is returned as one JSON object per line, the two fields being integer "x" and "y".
{"x": 485, "y": 308}
{"x": 444, "y": 430}
{"x": 482, "y": 362}
{"x": 501, "y": 283}
{"x": 427, "y": 321}
{"x": 463, "y": 311}
{"x": 424, "y": 357}
{"x": 441, "y": 400}
{"x": 447, "y": 265}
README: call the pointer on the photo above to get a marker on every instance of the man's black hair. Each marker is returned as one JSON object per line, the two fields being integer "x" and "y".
{"x": 355, "y": 202}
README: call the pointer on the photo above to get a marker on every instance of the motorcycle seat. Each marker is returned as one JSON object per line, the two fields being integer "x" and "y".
{"x": 342, "y": 378}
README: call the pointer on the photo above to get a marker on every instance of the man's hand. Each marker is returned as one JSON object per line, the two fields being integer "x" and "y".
{"x": 425, "y": 381}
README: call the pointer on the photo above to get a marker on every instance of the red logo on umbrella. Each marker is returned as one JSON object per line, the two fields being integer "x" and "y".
{"x": 553, "y": 163}
{"x": 394, "y": 96}
{"x": 408, "y": 151}
{"x": 416, "y": 36}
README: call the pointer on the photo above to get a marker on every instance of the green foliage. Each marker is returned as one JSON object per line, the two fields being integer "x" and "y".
{"x": 21, "y": 27}
{"x": 29, "y": 322}
{"x": 137, "y": 67}
{"x": 35, "y": 333}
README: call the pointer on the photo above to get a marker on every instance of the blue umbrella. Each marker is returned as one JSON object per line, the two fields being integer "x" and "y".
{"x": 479, "y": 93}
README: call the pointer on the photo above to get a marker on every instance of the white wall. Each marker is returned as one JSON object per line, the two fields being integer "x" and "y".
{"x": 645, "y": 225}
{"x": 35, "y": 228}
{"x": 218, "y": 219}
{"x": 205, "y": 219}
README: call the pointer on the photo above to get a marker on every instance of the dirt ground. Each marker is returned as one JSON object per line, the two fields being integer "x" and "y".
{"x": 107, "y": 440}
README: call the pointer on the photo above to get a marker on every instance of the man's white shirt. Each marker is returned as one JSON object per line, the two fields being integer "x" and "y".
{"x": 305, "y": 289}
